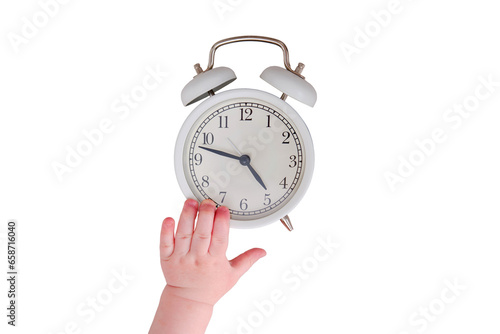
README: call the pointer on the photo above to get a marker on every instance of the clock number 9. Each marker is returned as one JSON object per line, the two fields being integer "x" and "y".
{"x": 247, "y": 113}
{"x": 198, "y": 158}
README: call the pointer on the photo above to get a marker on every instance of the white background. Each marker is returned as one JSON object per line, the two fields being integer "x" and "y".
{"x": 397, "y": 248}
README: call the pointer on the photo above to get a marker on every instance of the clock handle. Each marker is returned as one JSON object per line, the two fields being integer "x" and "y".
{"x": 286, "y": 57}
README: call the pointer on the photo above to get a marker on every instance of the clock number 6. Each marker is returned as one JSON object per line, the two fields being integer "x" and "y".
{"x": 243, "y": 204}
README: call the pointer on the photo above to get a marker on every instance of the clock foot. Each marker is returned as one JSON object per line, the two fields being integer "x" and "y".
{"x": 287, "y": 222}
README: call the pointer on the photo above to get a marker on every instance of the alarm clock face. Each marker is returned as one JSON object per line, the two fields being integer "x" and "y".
{"x": 247, "y": 150}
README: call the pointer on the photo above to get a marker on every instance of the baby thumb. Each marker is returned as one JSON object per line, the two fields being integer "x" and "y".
{"x": 245, "y": 261}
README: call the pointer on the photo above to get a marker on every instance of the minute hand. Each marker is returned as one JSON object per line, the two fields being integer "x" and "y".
{"x": 224, "y": 154}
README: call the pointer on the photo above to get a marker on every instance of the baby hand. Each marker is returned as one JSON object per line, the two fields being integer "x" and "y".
{"x": 194, "y": 263}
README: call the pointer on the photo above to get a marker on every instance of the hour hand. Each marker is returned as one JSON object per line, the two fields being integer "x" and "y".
{"x": 224, "y": 154}
{"x": 257, "y": 177}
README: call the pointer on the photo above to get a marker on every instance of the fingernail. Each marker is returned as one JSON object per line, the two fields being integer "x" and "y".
{"x": 223, "y": 208}
{"x": 191, "y": 202}
{"x": 208, "y": 202}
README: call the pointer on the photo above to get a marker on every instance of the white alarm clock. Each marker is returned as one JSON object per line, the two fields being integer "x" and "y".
{"x": 246, "y": 149}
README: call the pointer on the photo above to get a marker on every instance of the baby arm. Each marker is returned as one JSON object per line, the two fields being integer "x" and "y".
{"x": 196, "y": 269}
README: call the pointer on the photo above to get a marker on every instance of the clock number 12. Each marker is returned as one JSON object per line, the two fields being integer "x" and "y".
{"x": 245, "y": 114}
